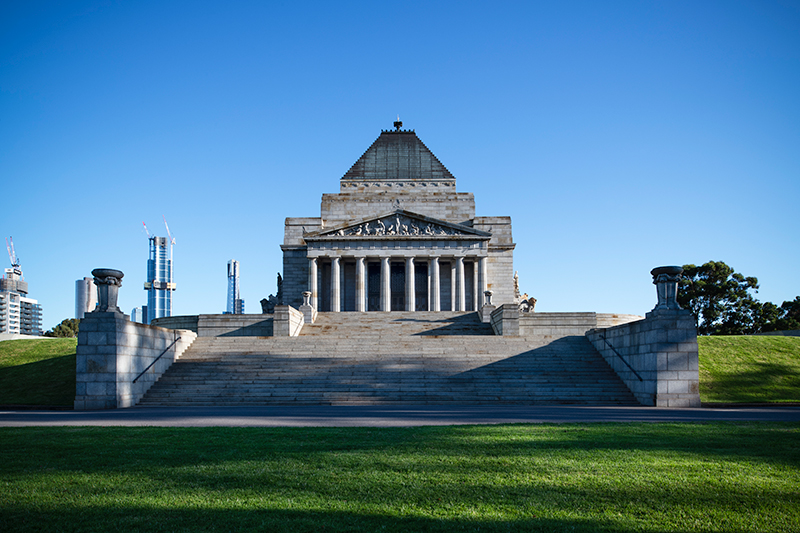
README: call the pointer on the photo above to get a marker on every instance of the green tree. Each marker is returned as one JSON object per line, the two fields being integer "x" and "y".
{"x": 67, "y": 328}
{"x": 788, "y": 316}
{"x": 720, "y": 299}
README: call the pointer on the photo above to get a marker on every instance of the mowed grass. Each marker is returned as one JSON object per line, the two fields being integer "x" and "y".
{"x": 573, "y": 477}
{"x": 741, "y": 368}
{"x": 37, "y": 372}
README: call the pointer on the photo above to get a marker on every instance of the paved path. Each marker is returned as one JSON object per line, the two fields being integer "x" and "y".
{"x": 374, "y": 416}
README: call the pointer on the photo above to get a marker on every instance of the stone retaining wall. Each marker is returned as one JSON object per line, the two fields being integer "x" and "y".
{"x": 112, "y": 351}
{"x": 505, "y": 320}
{"x": 662, "y": 350}
{"x": 221, "y": 325}
{"x": 551, "y": 326}
{"x": 288, "y": 321}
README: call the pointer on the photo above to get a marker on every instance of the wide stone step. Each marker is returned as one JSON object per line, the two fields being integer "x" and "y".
{"x": 390, "y": 358}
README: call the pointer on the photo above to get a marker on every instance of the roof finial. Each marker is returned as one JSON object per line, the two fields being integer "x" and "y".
{"x": 398, "y": 124}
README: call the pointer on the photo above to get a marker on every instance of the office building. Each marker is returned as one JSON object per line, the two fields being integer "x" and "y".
{"x": 159, "y": 284}
{"x": 235, "y": 304}
{"x": 85, "y": 297}
{"x": 18, "y": 313}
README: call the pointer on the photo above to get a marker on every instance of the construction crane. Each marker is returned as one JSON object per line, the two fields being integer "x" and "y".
{"x": 170, "y": 238}
{"x": 146, "y": 230}
{"x": 12, "y": 254}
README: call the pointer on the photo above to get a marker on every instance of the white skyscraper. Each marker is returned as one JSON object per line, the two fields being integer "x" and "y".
{"x": 85, "y": 297}
{"x": 235, "y": 304}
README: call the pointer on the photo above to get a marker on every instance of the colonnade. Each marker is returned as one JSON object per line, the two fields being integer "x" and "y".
{"x": 458, "y": 289}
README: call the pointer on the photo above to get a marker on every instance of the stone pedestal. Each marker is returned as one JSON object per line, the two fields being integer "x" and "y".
{"x": 108, "y": 282}
{"x": 487, "y": 308}
{"x": 309, "y": 313}
{"x": 666, "y": 280}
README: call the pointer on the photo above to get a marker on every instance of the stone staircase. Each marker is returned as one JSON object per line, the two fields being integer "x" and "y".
{"x": 390, "y": 358}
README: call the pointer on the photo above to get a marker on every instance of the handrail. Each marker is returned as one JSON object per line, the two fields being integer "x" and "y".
{"x": 603, "y": 336}
{"x": 156, "y": 359}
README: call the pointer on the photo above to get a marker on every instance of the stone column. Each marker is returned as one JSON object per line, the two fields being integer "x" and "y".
{"x": 386, "y": 288}
{"x": 460, "y": 288}
{"x": 435, "y": 292}
{"x": 108, "y": 282}
{"x": 666, "y": 280}
{"x": 484, "y": 269}
{"x": 360, "y": 286}
{"x": 312, "y": 282}
{"x": 335, "y": 300}
{"x": 410, "y": 288}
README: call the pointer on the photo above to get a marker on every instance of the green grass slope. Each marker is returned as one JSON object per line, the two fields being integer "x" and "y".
{"x": 37, "y": 372}
{"x": 544, "y": 477}
{"x": 744, "y": 368}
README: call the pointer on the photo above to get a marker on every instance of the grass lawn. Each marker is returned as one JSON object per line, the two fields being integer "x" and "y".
{"x": 37, "y": 372}
{"x": 573, "y": 477}
{"x": 741, "y": 368}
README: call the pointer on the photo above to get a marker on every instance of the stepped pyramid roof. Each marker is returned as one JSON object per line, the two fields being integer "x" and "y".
{"x": 398, "y": 155}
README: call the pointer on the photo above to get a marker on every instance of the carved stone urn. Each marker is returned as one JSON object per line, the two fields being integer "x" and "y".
{"x": 108, "y": 282}
{"x": 666, "y": 280}
{"x": 487, "y": 297}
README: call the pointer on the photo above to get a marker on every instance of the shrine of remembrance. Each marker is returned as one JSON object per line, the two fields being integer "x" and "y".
{"x": 398, "y": 237}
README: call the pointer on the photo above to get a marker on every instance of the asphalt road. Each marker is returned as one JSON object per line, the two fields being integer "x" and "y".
{"x": 382, "y": 416}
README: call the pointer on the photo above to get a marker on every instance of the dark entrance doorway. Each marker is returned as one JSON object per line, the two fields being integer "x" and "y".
{"x": 420, "y": 286}
{"x": 373, "y": 287}
{"x": 397, "y": 282}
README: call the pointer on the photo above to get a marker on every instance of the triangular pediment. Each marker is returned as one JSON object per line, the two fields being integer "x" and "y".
{"x": 399, "y": 224}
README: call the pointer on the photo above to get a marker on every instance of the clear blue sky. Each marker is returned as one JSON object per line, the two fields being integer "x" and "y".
{"x": 619, "y": 136}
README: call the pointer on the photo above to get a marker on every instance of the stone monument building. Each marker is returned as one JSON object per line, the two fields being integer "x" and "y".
{"x": 398, "y": 237}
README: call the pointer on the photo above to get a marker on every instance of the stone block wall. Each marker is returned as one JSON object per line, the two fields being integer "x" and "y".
{"x": 505, "y": 320}
{"x": 250, "y": 325}
{"x": 112, "y": 351}
{"x": 453, "y": 207}
{"x": 662, "y": 350}
{"x": 295, "y": 276}
{"x": 551, "y": 326}
{"x": 294, "y": 227}
{"x": 500, "y": 265}
{"x": 288, "y": 321}
{"x": 176, "y": 322}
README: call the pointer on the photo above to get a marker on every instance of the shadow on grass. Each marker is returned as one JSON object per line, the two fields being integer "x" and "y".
{"x": 602, "y": 477}
{"x": 46, "y": 382}
{"x": 104, "y": 519}
{"x": 761, "y": 382}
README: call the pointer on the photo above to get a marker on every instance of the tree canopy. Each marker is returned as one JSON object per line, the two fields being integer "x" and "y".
{"x": 67, "y": 328}
{"x": 723, "y": 302}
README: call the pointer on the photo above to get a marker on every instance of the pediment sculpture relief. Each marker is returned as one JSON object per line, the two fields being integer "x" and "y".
{"x": 396, "y": 225}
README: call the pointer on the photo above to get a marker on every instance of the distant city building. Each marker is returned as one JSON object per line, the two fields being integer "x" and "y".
{"x": 159, "y": 284}
{"x": 85, "y": 297}
{"x": 18, "y": 313}
{"x": 137, "y": 315}
{"x": 235, "y": 304}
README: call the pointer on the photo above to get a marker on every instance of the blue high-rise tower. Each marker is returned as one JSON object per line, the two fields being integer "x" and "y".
{"x": 159, "y": 284}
